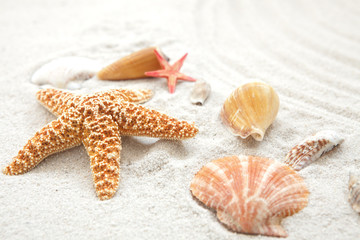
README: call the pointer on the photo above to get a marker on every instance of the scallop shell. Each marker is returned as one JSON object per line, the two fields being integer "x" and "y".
{"x": 251, "y": 194}
{"x": 200, "y": 92}
{"x": 132, "y": 66}
{"x": 65, "y": 71}
{"x": 312, "y": 148}
{"x": 354, "y": 192}
{"x": 250, "y": 110}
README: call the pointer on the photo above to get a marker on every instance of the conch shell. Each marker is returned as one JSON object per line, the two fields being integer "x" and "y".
{"x": 354, "y": 192}
{"x": 132, "y": 66}
{"x": 251, "y": 194}
{"x": 250, "y": 110}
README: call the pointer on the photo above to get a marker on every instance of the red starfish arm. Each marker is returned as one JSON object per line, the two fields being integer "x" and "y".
{"x": 185, "y": 77}
{"x": 170, "y": 72}
{"x": 57, "y": 136}
{"x": 161, "y": 60}
{"x": 158, "y": 73}
{"x": 172, "y": 79}
{"x": 178, "y": 64}
{"x": 136, "y": 120}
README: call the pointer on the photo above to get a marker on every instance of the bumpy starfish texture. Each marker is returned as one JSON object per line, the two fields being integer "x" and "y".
{"x": 97, "y": 121}
{"x": 171, "y": 72}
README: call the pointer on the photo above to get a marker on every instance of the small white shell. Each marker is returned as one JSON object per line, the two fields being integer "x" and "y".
{"x": 61, "y": 71}
{"x": 312, "y": 148}
{"x": 354, "y": 192}
{"x": 200, "y": 92}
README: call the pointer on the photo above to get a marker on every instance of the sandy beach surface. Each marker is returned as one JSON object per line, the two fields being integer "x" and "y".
{"x": 309, "y": 51}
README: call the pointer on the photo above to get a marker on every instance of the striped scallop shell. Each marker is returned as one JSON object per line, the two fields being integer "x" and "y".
{"x": 250, "y": 194}
{"x": 312, "y": 148}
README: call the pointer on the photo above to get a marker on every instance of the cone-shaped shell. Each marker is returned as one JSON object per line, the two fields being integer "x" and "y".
{"x": 132, "y": 66}
{"x": 251, "y": 194}
{"x": 250, "y": 110}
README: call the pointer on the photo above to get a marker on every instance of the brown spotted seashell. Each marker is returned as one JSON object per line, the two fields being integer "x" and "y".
{"x": 312, "y": 148}
{"x": 251, "y": 194}
{"x": 250, "y": 110}
{"x": 354, "y": 192}
{"x": 131, "y": 67}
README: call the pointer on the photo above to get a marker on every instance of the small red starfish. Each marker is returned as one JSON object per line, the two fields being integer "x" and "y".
{"x": 171, "y": 72}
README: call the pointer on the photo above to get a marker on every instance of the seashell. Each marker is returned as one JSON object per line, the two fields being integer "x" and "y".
{"x": 312, "y": 148}
{"x": 132, "y": 67}
{"x": 200, "y": 92}
{"x": 250, "y": 110}
{"x": 354, "y": 194}
{"x": 63, "y": 72}
{"x": 251, "y": 194}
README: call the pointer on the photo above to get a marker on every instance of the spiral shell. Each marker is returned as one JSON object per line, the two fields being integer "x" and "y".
{"x": 250, "y": 110}
{"x": 250, "y": 194}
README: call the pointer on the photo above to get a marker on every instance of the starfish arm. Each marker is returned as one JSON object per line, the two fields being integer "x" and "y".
{"x": 60, "y": 134}
{"x": 56, "y": 101}
{"x": 170, "y": 72}
{"x": 172, "y": 83}
{"x": 178, "y": 64}
{"x": 163, "y": 62}
{"x": 157, "y": 73}
{"x": 103, "y": 145}
{"x": 136, "y": 120}
{"x": 135, "y": 96}
{"x": 185, "y": 77}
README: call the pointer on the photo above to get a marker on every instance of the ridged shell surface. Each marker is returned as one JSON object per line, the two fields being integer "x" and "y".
{"x": 312, "y": 148}
{"x": 250, "y": 110}
{"x": 132, "y": 66}
{"x": 250, "y": 194}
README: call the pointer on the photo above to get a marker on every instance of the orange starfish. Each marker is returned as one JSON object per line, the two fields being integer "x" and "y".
{"x": 171, "y": 72}
{"x": 97, "y": 121}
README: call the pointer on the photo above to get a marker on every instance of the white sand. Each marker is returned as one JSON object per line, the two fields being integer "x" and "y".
{"x": 309, "y": 51}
